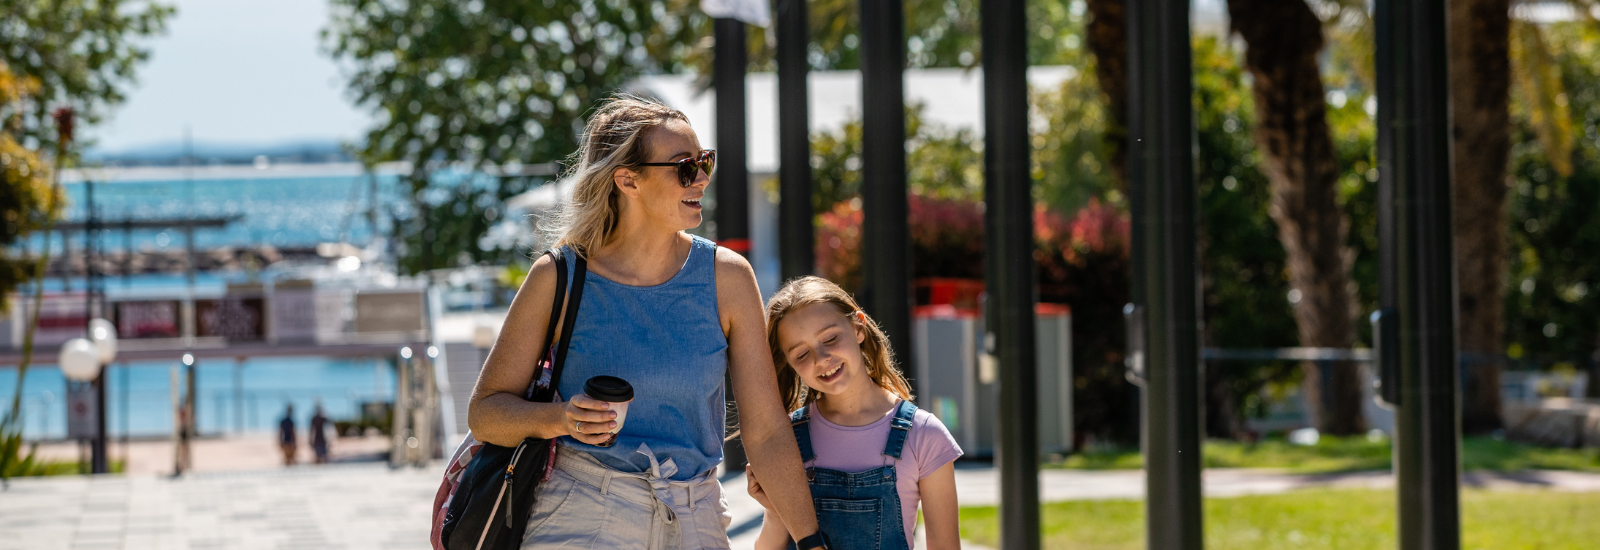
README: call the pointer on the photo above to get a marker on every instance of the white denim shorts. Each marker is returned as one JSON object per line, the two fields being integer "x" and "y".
{"x": 587, "y": 504}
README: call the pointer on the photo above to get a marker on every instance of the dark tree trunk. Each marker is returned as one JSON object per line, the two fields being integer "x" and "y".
{"x": 1108, "y": 41}
{"x": 1283, "y": 39}
{"x": 1480, "y": 129}
{"x": 1222, "y": 418}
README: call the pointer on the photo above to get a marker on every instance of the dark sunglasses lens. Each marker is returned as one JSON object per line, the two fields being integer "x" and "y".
{"x": 686, "y": 172}
{"x": 688, "y": 168}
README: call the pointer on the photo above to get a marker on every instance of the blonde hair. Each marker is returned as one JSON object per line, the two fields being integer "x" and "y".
{"x": 805, "y": 291}
{"x": 612, "y": 139}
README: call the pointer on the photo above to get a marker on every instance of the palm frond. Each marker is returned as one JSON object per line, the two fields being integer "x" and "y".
{"x": 1541, "y": 98}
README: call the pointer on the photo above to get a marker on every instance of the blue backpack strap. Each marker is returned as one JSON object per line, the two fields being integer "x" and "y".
{"x": 899, "y": 428}
{"x": 800, "y": 420}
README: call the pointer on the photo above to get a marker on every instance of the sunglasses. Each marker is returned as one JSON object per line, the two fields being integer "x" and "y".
{"x": 689, "y": 167}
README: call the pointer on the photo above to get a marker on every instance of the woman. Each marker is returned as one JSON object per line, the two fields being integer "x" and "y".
{"x": 670, "y": 313}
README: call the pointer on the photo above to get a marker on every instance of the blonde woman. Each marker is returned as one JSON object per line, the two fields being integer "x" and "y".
{"x": 670, "y": 313}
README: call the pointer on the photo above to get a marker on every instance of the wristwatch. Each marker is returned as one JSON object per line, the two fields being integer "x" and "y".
{"x": 817, "y": 540}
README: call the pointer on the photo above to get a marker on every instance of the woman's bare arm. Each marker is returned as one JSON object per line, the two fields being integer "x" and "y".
{"x": 763, "y": 424}
{"x": 498, "y": 412}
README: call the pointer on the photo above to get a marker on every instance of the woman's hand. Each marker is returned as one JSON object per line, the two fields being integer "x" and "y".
{"x": 589, "y": 420}
{"x": 755, "y": 487}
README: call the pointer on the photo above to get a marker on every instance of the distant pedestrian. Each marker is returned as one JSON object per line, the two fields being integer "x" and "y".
{"x": 319, "y": 434}
{"x": 286, "y": 440}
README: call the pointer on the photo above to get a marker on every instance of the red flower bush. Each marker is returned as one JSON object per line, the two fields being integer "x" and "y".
{"x": 947, "y": 241}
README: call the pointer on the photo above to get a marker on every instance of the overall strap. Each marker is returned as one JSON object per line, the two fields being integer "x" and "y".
{"x": 801, "y": 422}
{"x": 899, "y": 428}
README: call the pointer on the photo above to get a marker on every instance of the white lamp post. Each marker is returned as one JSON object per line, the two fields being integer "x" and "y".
{"x": 82, "y": 360}
{"x": 79, "y": 360}
{"x": 104, "y": 336}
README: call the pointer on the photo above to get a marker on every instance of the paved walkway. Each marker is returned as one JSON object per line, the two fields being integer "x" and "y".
{"x": 367, "y": 505}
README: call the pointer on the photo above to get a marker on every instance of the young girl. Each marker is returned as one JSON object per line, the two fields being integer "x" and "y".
{"x": 870, "y": 455}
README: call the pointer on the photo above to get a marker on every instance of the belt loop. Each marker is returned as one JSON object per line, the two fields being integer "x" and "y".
{"x": 605, "y": 485}
{"x": 689, "y": 488}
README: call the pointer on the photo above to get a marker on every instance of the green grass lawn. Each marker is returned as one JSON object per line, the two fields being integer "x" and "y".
{"x": 1342, "y": 454}
{"x": 1317, "y": 519}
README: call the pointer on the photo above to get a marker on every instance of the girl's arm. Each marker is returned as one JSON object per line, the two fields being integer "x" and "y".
{"x": 498, "y": 413}
{"x": 763, "y": 424}
{"x": 940, "y": 512}
{"x": 772, "y": 536}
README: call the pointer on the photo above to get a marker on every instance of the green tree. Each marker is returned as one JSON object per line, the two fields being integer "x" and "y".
{"x": 1554, "y": 281}
{"x": 82, "y": 53}
{"x": 459, "y": 86}
{"x": 27, "y": 203}
{"x": 1243, "y": 283}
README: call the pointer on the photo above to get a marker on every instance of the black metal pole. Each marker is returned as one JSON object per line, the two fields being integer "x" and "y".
{"x": 1413, "y": 116}
{"x": 885, "y": 239}
{"x": 796, "y": 234}
{"x": 731, "y": 184}
{"x": 1162, "y": 150}
{"x": 98, "y": 461}
{"x": 1011, "y": 280}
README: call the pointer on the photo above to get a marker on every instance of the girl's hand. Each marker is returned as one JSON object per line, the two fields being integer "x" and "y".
{"x": 589, "y": 420}
{"x": 755, "y": 487}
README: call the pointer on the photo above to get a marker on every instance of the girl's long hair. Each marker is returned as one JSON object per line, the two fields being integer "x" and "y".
{"x": 805, "y": 291}
{"x": 613, "y": 138}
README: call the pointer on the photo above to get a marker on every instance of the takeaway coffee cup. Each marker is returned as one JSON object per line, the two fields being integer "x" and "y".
{"x": 618, "y": 393}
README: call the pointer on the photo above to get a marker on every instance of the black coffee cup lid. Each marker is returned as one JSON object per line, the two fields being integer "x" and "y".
{"x": 609, "y": 388}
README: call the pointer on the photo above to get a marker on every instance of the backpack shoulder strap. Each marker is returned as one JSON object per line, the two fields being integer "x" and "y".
{"x": 580, "y": 268}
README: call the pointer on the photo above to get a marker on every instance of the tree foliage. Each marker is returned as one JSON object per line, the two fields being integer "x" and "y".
{"x": 1554, "y": 284}
{"x": 25, "y": 195}
{"x": 491, "y": 82}
{"x": 81, "y": 53}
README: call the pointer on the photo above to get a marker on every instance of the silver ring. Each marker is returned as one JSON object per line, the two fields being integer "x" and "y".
{"x": 578, "y": 426}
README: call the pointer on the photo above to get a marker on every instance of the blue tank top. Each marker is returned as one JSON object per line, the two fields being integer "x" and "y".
{"x": 667, "y": 341}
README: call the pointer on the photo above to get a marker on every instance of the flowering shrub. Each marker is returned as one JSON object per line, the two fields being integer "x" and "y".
{"x": 947, "y": 241}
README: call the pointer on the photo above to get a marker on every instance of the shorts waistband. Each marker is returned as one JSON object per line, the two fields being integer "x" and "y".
{"x": 637, "y": 487}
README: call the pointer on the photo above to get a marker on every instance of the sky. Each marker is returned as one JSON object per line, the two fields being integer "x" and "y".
{"x": 236, "y": 72}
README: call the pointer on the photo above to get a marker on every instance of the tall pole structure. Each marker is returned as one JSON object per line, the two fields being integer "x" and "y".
{"x": 732, "y": 180}
{"x": 885, "y": 230}
{"x": 1419, "y": 277}
{"x": 98, "y": 461}
{"x": 796, "y": 233}
{"x": 1010, "y": 279}
{"x": 1161, "y": 167}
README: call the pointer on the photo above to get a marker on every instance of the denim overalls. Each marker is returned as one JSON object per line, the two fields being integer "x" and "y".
{"x": 858, "y": 510}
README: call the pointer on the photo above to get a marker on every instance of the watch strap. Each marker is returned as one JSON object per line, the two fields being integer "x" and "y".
{"x": 816, "y": 540}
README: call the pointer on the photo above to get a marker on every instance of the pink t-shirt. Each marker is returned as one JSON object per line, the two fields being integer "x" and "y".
{"x": 928, "y": 447}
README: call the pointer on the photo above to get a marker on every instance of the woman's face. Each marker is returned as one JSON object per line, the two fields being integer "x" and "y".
{"x": 657, "y": 190}
{"x": 823, "y": 347}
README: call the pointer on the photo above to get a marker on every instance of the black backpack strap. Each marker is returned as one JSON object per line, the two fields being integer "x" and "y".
{"x": 580, "y": 268}
{"x": 545, "y": 360}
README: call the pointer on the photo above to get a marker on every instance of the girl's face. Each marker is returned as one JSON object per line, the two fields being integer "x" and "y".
{"x": 656, "y": 190}
{"x": 824, "y": 348}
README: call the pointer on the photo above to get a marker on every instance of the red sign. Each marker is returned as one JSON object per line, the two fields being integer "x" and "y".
{"x": 234, "y": 318}
{"x": 148, "y": 319}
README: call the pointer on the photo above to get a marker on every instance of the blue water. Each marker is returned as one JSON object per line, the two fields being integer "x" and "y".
{"x": 139, "y": 397}
{"x": 280, "y": 211}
